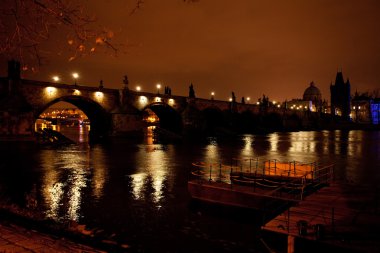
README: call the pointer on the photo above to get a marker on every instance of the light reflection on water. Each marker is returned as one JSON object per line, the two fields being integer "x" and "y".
{"x": 153, "y": 167}
{"x": 140, "y": 188}
{"x": 68, "y": 172}
{"x": 63, "y": 182}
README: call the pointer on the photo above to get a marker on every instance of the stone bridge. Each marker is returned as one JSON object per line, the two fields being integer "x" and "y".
{"x": 121, "y": 111}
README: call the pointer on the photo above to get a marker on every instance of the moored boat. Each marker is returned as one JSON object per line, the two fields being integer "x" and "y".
{"x": 256, "y": 187}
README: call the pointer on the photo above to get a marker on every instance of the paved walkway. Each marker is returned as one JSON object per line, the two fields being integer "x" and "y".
{"x": 15, "y": 239}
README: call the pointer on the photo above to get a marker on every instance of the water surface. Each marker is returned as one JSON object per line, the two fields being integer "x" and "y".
{"x": 137, "y": 192}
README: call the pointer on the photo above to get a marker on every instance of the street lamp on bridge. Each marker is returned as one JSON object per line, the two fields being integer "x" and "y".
{"x": 75, "y": 76}
{"x": 212, "y": 95}
{"x": 158, "y": 88}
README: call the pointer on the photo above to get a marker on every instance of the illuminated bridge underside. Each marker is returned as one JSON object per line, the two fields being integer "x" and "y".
{"x": 170, "y": 119}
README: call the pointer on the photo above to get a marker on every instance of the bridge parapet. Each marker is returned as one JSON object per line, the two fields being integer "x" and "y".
{"x": 141, "y": 100}
{"x": 42, "y": 94}
{"x": 202, "y": 104}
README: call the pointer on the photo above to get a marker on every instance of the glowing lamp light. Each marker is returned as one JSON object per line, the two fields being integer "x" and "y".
{"x": 55, "y": 78}
{"x": 230, "y": 99}
{"x": 248, "y": 98}
{"x": 138, "y": 88}
{"x": 75, "y": 76}
{"x": 212, "y": 93}
{"x": 99, "y": 96}
{"x": 171, "y": 101}
{"x": 143, "y": 100}
{"x": 257, "y": 103}
{"x": 76, "y": 92}
{"x": 158, "y": 88}
{"x": 157, "y": 99}
{"x": 51, "y": 90}
{"x": 278, "y": 106}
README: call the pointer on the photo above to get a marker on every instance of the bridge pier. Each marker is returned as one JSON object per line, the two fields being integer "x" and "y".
{"x": 127, "y": 124}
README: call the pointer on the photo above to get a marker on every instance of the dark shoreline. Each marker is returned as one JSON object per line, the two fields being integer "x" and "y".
{"x": 60, "y": 230}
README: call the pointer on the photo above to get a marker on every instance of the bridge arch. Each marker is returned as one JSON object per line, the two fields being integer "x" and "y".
{"x": 169, "y": 118}
{"x": 100, "y": 119}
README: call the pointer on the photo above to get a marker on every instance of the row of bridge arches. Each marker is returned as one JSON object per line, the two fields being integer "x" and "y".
{"x": 83, "y": 111}
{"x": 158, "y": 114}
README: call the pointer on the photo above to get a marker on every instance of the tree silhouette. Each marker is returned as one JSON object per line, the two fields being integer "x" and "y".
{"x": 26, "y": 24}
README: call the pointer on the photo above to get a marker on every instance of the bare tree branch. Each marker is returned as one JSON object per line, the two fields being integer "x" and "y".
{"x": 26, "y": 24}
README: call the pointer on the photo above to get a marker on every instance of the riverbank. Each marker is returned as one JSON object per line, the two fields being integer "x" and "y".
{"x": 14, "y": 238}
{"x": 22, "y": 231}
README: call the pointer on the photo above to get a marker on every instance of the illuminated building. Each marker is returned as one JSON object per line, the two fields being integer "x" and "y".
{"x": 314, "y": 95}
{"x": 365, "y": 109}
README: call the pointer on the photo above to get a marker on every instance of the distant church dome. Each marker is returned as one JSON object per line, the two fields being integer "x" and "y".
{"x": 312, "y": 93}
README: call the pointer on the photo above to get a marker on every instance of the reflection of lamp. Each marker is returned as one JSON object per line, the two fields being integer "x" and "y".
{"x": 75, "y": 76}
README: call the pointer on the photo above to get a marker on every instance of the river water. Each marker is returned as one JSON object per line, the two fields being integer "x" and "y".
{"x": 136, "y": 192}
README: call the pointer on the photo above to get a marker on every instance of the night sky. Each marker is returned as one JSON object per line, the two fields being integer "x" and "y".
{"x": 251, "y": 47}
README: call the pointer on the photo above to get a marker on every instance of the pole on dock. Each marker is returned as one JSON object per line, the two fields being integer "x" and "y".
{"x": 210, "y": 172}
{"x": 257, "y": 163}
{"x": 332, "y": 220}
{"x": 290, "y": 244}
{"x": 220, "y": 171}
{"x": 275, "y": 167}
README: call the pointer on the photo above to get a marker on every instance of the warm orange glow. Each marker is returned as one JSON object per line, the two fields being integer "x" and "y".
{"x": 51, "y": 91}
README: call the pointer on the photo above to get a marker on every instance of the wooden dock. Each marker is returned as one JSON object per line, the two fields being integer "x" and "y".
{"x": 341, "y": 215}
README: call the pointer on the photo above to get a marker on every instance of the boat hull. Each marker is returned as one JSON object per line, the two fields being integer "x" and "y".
{"x": 230, "y": 195}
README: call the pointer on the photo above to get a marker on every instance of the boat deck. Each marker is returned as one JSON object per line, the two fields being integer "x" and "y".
{"x": 340, "y": 214}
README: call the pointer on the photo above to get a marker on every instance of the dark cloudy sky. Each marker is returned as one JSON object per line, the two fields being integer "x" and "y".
{"x": 251, "y": 47}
